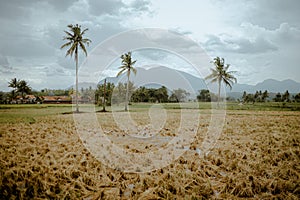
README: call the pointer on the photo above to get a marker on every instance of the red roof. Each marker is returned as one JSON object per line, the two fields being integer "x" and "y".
{"x": 56, "y": 98}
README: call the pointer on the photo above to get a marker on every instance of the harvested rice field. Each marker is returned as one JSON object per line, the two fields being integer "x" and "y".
{"x": 257, "y": 156}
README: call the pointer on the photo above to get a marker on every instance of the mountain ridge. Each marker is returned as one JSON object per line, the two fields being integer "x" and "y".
{"x": 174, "y": 79}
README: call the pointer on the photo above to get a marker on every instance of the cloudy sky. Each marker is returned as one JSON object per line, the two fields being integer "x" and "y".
{"x": 259, "y": 38}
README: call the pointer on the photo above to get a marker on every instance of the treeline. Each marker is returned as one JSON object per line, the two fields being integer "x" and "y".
{"x": 206, "y": 96}
{"x": 260, "y": 96}
{"x": 19, "y": 88}
{"x": 116, "y": 94}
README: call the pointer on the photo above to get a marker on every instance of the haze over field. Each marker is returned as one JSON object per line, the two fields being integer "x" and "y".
{"x": 260, "y": 39}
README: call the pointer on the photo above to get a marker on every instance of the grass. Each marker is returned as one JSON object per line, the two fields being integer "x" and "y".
{"x": 256, "y": 157}
{"x": 28, "y": 112}
{"x": 268, "y": 106}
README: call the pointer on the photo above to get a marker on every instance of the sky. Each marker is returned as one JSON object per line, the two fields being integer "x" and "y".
{"x": 260, "y": 39}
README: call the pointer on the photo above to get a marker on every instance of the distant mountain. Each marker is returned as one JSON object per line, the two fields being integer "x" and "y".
{"x": 84, "y": 85}
{"x": 174, "y": 79}
{"x": 271, "y": 85}
{"x": 279, "y": 86}
{"x": 158, "y": 76}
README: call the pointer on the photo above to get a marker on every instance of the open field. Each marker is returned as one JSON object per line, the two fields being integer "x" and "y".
{"x": 256, "y": 157}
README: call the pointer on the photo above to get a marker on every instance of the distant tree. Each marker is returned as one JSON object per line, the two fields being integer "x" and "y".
{"x": 265, "y": 95}
{"x": 221, "y": 74}
{"x": 23, "y": 88}
{"x": 13, "y": 84}
{"x": 286, "y": 96}
{"x": 161, "y": 94}
{"x": 178, "y": 95}
{"x": 250, "y": 98}
{"x": 258, "y": 96}
{"x": 278, "y": 97}
{"x": 104, "y": 96}
{"x": 204, "y": 96}
{"x": 2, "y": 97}
{"x": 99, "y": 93}
{"x": 71, "y": 92}
{"x": 244, "y": 97}
{"x": 297, "y": 97}
{"x": 140, "y": 95}
{"x": 88, "y": 94}
{"x": 127, "y": 66}
{"x": 119, "y": 92}
{"x": 143, "y": 94}
{"x": 152, "y": 93}
{"x": 75, "y": 41}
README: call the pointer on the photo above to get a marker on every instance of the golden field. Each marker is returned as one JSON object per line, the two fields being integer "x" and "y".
{"x": 256, "y": 157}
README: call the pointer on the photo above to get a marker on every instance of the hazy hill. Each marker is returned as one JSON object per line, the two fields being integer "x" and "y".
{"x": 158, "y": 76}
{"x": 279, "y": 86}
{"x": 169, "y": 75}
{"x": 174, "y": 79}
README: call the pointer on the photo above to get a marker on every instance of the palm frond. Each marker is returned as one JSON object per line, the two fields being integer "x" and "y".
{"x": 216, "y": 79}
{"x": 69, "y": 34}
{"x": 121, "y": 72}
{"x": 71, "y": 50}
{"x": 212, "y": 75}
{"x": 87, "y": 41}
{"x": 68, "y": 38}
{"x": 66, "y": 44}
{"x": 83, "y": 32}
{"x": 83, "y": 48}
{"x": 228, "y": 83}
{"x": 226, "y": 67}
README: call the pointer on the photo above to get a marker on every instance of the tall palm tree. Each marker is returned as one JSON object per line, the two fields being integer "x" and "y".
{"x": 221, "y": 74}
{"x": 127, "y": 66}
{"x": 75, "y": 41}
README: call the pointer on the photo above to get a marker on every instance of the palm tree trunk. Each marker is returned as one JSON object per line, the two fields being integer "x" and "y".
{"x": 104, "y": 95}
{"x": 126, "y": 99}
{"x": 76, "y": 96}
{"x": 219, "y": 91}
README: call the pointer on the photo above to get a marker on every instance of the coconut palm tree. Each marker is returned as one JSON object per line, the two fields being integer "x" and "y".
{"x": 75, "y": 41}
{"x": 127, "y": 66}
{"x": 221, "y": 74}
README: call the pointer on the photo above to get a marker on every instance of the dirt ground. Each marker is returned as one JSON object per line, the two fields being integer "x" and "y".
{"x": 256, "y": 157}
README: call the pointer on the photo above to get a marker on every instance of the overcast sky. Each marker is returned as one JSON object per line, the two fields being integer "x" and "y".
{"x": 259, "y": 38}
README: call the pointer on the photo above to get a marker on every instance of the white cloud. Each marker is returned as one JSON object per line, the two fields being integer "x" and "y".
{"x": 253, "y": 39}
{"x": 238, "y": 44}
